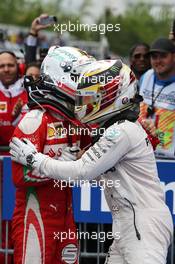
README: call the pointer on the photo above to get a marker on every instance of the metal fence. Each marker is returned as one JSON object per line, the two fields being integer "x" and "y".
{"x": 94, "y": 254}
{"x": 5, "y": 250}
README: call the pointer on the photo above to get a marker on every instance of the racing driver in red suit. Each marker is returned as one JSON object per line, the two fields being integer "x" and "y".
{"x": 43, "y": 209}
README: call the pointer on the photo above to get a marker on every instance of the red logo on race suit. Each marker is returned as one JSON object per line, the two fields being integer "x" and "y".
{"x": 3, "y": 107}
{"x": 69, "y": 254}
{"x": 53, "y": 154}
{"x": 55, "y": 130}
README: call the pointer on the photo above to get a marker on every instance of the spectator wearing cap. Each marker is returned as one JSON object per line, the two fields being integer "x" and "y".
{"x": 139, "y": 59}
{"x": 157, "y": 86}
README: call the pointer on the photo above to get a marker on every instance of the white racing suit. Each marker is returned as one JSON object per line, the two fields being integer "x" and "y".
{"x": 142, "y": 223}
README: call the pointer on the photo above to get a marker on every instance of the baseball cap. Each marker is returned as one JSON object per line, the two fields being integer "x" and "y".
{"x": 162, "y": 45}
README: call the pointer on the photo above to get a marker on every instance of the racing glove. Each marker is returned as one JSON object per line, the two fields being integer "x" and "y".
{"x": 24, "y": 152}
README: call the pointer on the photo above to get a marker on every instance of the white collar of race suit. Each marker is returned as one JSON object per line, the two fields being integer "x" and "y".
{"x": 13, "y": 89}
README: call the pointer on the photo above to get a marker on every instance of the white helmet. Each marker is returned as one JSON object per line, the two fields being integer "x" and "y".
{"x": 106, "y": 88}
{"x": 60, "y": 71}
{"x": 62, "y": 67}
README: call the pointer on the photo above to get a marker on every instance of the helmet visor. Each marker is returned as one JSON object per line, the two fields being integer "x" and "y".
{"x": 84, "y": 100}
{"x": 85, "y": 104}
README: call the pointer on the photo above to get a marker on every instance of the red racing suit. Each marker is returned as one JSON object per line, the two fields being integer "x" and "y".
{"x": 9, "y": 98}
{"x": 43, "y": 211}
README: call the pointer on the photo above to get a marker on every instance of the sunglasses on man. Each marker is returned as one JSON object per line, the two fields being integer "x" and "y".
{"x": 138, "y": 56}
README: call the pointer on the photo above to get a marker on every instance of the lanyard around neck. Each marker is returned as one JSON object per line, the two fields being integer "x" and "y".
{"x": 151, "y": 108}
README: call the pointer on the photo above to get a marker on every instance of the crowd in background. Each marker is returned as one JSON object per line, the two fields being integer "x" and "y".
{"x": 153, "y": 65}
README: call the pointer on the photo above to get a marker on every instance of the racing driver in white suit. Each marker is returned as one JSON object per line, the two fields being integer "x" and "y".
{"x": 122, "y": 153}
